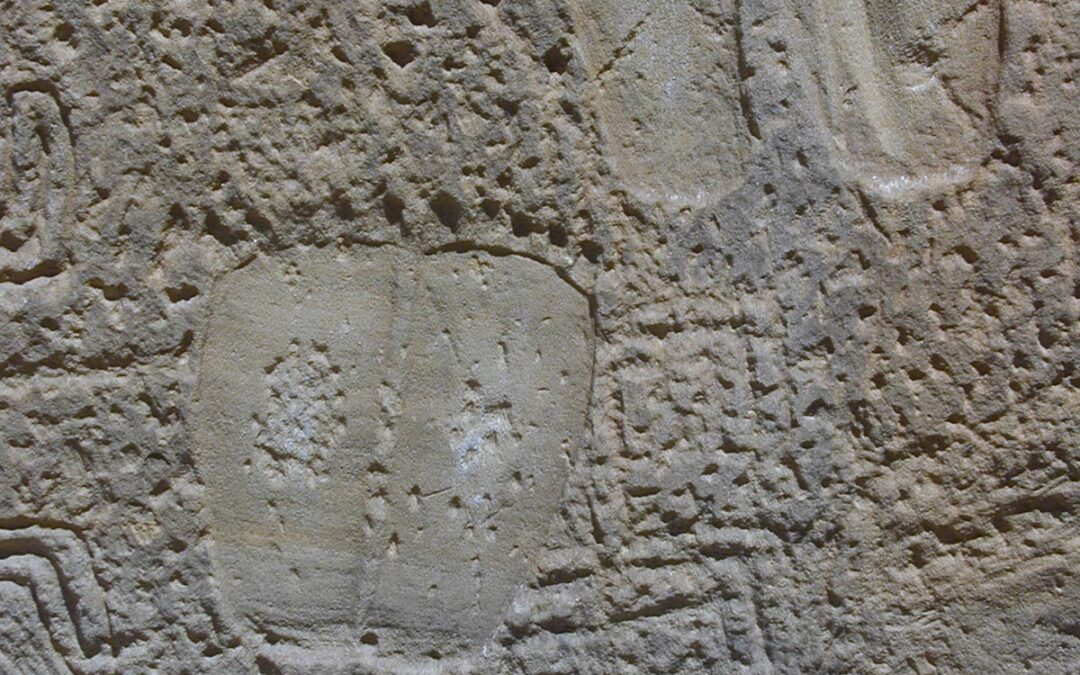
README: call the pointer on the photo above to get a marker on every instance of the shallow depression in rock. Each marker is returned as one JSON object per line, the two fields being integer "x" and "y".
{"x": 385, "y": 438}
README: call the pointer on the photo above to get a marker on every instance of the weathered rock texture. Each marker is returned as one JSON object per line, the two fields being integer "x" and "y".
{"x": 402, "y": 493}
{"x": 560, "y": 336}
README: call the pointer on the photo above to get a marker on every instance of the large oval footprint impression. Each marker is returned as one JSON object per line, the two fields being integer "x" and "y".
{"x": 385, "y": 437}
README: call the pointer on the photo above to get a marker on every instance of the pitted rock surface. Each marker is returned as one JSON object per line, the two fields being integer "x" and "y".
{"x": 553, "y": 336}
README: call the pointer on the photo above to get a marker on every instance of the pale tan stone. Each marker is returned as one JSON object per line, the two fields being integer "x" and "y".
{"x": 419, "y": 444}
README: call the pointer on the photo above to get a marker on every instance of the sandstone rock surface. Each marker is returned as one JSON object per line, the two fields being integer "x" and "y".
{"x": 385, "y": 438}
{"x": 561, "y": 336}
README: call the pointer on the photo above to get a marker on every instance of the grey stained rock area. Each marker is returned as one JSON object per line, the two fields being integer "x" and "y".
{"x": 561, "y": 336}
{"x": 393, "y": 487}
